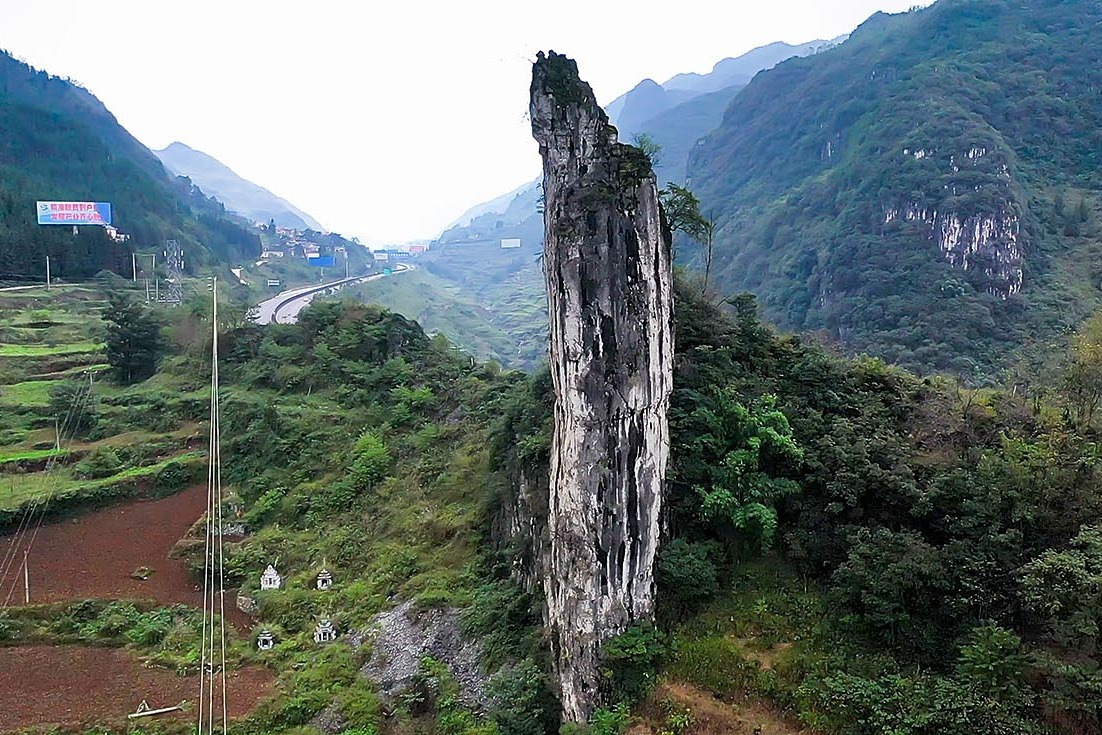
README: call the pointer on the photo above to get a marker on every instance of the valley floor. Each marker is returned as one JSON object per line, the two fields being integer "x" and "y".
{"x": 45, "y": 686}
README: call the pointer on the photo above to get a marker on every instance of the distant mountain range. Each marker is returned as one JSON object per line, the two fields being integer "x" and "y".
{"x": 240, "y": 195}
{"x": 675, "y": 115}
{"x": 632, "y": 111}
{"x": 506, "y": 283}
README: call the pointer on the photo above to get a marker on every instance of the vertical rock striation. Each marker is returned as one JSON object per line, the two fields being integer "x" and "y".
{"x": 610, "y": 302}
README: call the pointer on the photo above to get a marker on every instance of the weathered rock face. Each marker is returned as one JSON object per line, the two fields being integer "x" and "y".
{"x": 610, "y": 301}
{"x": 402, "y": 637}
{"x": 976, "y": 224}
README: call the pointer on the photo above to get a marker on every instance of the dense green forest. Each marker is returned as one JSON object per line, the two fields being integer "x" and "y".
{"x": 870, "y": 550}
{"x": 926, "y": 191}
{"x": 61, "y": 143}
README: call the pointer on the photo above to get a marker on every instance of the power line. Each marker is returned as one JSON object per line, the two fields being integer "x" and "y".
{"x": 213, "y": 645}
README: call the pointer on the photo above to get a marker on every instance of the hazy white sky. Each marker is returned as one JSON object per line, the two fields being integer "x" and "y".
{"x": 382, "y": 120}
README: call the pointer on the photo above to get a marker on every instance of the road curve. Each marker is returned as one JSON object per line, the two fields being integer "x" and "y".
{"x": 284, "y": 307}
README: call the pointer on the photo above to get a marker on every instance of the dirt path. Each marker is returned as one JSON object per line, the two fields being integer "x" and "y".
{"x": 712, "y": 716}
{"x": 77, "y": 686}
{"x": 94, "y": 556}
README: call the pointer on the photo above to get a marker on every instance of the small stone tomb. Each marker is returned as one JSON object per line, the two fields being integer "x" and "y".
{"x": 325, "y": 579}
{"x": 270, "y": 579}
{"x": 266, "y": 640}
{"x": 325, "y": 632}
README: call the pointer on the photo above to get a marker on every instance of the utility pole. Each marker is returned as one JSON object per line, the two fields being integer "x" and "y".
{"x": 26, "y": 579}
{"x": 134, "y": 265}
{"x": 47, "y": 272}
{"x": 174, "y": 264}
{"x": 57, "y": 436}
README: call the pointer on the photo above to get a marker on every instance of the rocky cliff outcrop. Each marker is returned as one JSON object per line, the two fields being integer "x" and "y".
{"x": 610, "y": 302}
{"x": 975, "y": 224}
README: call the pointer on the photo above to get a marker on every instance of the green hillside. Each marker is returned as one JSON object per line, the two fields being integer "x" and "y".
{"x": 852, "y": 549}
{"x": 926, "y": 191}
{"x": 61, "y": 143}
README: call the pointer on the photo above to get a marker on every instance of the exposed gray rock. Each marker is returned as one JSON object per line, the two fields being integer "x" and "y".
{"x": 330, "y": 721}
{"x": 403, "y": 636}
{"x": 610, "y": 303}
{"x": 248, "y": 605}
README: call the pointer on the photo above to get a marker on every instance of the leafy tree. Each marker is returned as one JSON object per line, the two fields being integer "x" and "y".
{"x": 649, "y": 147}
{"x": 1064, "y": 589}
{"x": 521, "y": 703}
{"x": 134, "y": 340}
{"x": 993, "y": 664}
{"x": 1083, "y": 375}
{"x": 686, "y": 576}
{"x": 896, "y": 584}
{"x": 630, "y": 662}
{"x": 683, "y": 214}
{"x": 370, "y": 461}
{"x": 743, "y": 449}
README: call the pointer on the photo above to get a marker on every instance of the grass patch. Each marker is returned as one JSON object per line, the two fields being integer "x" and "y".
{"x": 66, "y": 490}
{"x": 31, "y": 454}
{"x": 11, "y": 350}
{"x": 29, "y": 393}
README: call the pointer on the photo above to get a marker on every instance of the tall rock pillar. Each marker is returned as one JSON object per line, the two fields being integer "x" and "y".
{"x": 610, "y": 301}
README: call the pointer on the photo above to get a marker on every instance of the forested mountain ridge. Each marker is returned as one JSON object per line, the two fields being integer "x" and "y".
{"x": 927, "y": 190}
{"x": 61, "y": 143}
{"x": 238, "y": 194}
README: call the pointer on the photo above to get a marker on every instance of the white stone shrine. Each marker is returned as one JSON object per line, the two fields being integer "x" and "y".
{"x": 325, "y": 579}
{"x": 325, "y": 632}
{"x": 266, "y": 640}
{"x": 270, "y": 579}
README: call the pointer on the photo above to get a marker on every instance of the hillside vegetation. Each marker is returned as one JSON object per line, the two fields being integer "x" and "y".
{"x": 851, "y": 548}
{"x": 61, "y": 143}
{"x": 866, "y": 550}
{"x": 927, "y": 191}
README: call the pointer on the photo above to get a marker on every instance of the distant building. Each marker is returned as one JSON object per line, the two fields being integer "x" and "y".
{"x": 417, "y": 249}
{"x": 115, "y": 235}
{"x": 381, "y": 255}
{"x": 510, "y": 242}
{"x": 270, "y": 579}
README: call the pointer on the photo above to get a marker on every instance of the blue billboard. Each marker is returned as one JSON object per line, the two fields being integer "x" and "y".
{"x": 74, "y": 213}
{"x": 321, "y": 261}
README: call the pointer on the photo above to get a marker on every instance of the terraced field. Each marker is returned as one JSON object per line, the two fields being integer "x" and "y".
{"x": 66, "y": 433}
{"x": 98, "y": 486}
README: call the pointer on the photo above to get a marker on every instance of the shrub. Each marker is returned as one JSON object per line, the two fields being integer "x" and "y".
{"x": 630, "y": 662}
{"x": 102, "y": 462}
{"x": 370, "y": 461}
{"x": 686, "y": 576}
{"x": 172, "y": 476}
{"x": 521, "y": 700}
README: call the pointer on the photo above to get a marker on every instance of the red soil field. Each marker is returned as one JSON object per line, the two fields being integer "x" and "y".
{"x": 80, "y": 686}
{"x": 93, "y": 556}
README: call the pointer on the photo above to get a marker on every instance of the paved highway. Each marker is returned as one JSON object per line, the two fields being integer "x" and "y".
{"x": 284, "y": 307}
